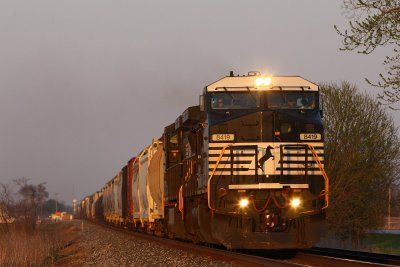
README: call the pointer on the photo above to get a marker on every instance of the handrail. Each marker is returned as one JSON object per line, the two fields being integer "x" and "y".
{"x": 181, "y": 206}
{"x": 326, "y": 193}
{"x": 212, "y": 174}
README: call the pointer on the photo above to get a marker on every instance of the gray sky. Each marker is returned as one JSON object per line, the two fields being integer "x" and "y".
{"x": 85, "y": 85}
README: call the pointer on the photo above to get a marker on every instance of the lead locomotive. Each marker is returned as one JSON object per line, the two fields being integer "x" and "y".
{"x": 243, "y": 169}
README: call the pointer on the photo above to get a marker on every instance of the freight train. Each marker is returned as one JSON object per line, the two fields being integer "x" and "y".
{"x": 243, "y": 169}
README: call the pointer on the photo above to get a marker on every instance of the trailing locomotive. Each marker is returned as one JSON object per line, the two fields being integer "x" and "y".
{"x": 243, "y": 169}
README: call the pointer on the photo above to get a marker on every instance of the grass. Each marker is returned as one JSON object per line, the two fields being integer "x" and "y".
{"x": 19, "y": 247}
{"x": 383, "y": 243}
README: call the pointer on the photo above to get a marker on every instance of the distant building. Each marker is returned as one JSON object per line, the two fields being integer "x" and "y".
{"x": 67, "y": 216}
{"x": 61, "y": 216}
{"x": 56, "y": 216}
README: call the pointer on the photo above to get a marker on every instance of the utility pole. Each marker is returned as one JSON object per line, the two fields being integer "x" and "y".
{"x": 389, "y": 208}
{"x": 73, "y": 200}
{"x": 74, "y": 206}
{"x": 56, "y": 194}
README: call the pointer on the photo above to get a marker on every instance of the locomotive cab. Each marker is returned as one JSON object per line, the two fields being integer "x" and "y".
{"x": 266, "y": 184}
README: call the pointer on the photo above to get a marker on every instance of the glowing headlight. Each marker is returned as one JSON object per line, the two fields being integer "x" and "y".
{"x": 263, "y": 81}
{"x": 295, "y": 202}
{"x": 243, "y": 202}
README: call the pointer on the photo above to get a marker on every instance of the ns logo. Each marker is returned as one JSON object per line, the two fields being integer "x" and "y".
{"x": 268, "y": 154}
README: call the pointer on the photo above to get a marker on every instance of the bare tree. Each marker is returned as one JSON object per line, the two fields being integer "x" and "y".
{"x": 376, "y": 23}
{"x": 6, "y": 205}
{"x": 26, "y": 206}
{"x": 32, "y": 198}
{"x": 362, "y": 159}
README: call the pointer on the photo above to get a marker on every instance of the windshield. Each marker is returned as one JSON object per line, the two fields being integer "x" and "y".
{"x": 235, "y": 100}
{"x": 292, "y": 100}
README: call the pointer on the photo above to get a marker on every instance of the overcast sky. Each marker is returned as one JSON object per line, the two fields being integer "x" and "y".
{"x": 85, "y": 85}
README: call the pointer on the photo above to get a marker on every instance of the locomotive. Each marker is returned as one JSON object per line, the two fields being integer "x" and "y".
{"x": 243, "y": 169}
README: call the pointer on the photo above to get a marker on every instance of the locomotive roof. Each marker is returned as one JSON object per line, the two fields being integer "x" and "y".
{"x": 240, "y": 83}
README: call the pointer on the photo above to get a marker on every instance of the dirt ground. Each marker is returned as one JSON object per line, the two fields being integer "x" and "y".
{"x": 73, "y": 254}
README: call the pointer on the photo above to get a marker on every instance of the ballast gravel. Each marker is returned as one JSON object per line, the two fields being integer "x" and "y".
{"x": 100, "y": 246}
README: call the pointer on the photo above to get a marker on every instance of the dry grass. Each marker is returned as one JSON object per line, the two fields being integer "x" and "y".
{"x": 38, "y": 248}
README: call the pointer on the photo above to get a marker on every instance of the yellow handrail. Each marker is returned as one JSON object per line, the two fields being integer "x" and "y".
{"x": 181, "y": 206}
{"x": 209, "y": 179}
{"x": 321, "y": 168}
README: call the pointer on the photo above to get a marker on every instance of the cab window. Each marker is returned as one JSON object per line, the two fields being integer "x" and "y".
{"x": 235, "y": 100}
{"x": 291, "y": 100}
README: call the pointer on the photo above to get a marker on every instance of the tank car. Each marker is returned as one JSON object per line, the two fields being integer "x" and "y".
{"x": 114, "y": 199}
{"x": 87, "y": 206}
{"x": 96, "y": 212}
{"x": 146, "y": 175}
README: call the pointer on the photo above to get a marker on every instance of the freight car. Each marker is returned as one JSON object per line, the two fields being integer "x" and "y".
{"x": 243, "y": 169}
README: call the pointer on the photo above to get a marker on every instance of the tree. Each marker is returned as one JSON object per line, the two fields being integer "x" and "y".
{"x": 50, "y": 206}
{"x": 41, "y": 196}
{"x": 6, "y": 205}
{"x": 375, "y": 23}
{"x": 395, "y": 202}
{"x": 362, "y": 159}
{"x": 26, "y": 206}
{"x": 32, "y": 199}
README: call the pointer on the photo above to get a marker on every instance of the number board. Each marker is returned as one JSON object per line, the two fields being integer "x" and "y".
{"x": 222, "y": 137}
{"x": 310, "y": 136}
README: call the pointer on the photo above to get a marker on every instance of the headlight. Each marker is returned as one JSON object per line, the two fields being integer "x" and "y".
{"x": 243, "y": 202}
{"x": 263, "y": 81}
{"x": 295, "y": 202}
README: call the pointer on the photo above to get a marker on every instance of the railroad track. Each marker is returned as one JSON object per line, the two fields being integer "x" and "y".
{"x": 216, "y": 253}
{"x": 354, "y": 256}
{"x": 311, "y": 257}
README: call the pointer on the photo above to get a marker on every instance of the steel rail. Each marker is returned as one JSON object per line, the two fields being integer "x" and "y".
{"x": 361, "y": 256}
